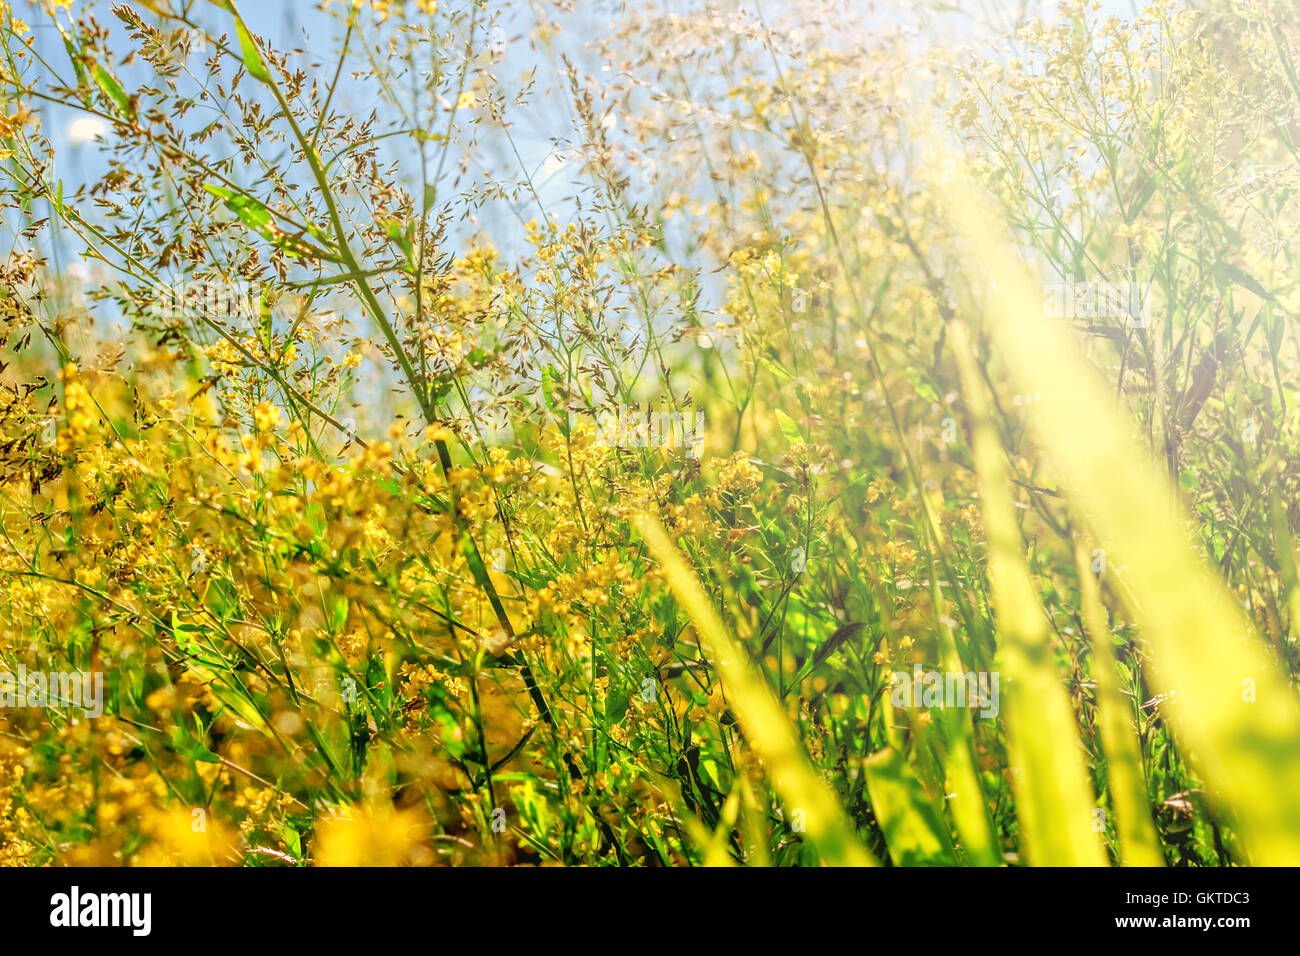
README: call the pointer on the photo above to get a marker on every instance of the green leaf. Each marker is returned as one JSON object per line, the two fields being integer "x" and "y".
{"x": 292, "y": 840}
{"x": 339, "y": 613}
{"x": 834, "y": 642}
{"x": 922, "y": 385}
{"x": 775, "y": 368}
{"x": 789, "y": 429}
{"x": 403, "y": 235}
{"x": 1142, "y": 195}
{"x": 1226, "y": 270}
{"x": 189, "y": 746}
{"x": 252, "y": 57}
{"x": 255, "y": 215}
{"x": 914, "y": 830}
{"x": 75, "y": 56}
{"x": 113, "y": 90}
{"x": 549, "y": 375}
{"x": 185, "y": 637}
{"x": 616, "y": 705}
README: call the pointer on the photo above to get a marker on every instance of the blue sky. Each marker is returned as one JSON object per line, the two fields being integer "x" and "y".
{"x": 300, "y": 24}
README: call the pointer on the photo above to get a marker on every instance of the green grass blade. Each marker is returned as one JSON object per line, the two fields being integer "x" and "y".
{"x": 914, "y": 830}
{"x": 1053, "y": 797}
{"x": 1138, "y": 844}
{"x": 766, "y": 725}
{"x": 1202, "y": 645}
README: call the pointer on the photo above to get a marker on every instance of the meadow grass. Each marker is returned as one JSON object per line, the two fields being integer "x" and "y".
{"x": 305, "y": 440}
